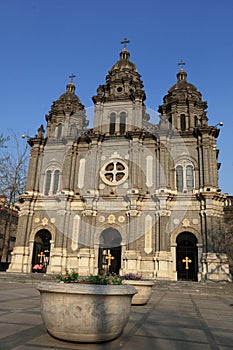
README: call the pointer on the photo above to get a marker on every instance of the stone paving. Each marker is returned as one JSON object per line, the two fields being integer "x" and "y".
{"x": 179, "y": 315}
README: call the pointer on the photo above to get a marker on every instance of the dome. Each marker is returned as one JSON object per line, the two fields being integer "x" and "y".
{"x": 67, "y": 102}
{"x": 123, "y": 82}
{"x": 123, "y": 63}
{"x": 182, "y": 90}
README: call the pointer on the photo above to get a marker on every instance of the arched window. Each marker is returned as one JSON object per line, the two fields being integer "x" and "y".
{"x": 112, "y": 126}
{"x": 195, "y": 121}
{"x": 183, "y": 122}
{"x": 179, "y": 178}
{"x": 73, "y": 130}
{"x": 185, "y": 176}
{"x": 59, "y": 131}
{"x": 56, "y": 181}
{"x": 122, "y": 122}
{"x": 52, "y": 182}
{"x": 47, "y": 182}
{"x": 189, "y": 178}
{"x": 170, "y": 121}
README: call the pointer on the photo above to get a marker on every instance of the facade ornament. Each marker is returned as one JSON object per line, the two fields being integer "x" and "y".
{"x": 186, "y": 223}
{"x": 111, "y": 219}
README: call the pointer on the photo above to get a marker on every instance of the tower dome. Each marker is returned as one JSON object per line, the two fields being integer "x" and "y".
{"x": 67, "y": 103}
{"x": 67, "y": 112}
{"x": 123, "y": 82}
{"x": 182, "y": 106}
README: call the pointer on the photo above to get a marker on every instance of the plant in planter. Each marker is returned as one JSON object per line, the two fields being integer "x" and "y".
{"x": 91, "y": 309}
{"x": 143, "y": 287}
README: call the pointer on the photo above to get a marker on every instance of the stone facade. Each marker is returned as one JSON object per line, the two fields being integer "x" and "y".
{"x": 127, "y": 195}
{"x": 226, "y": 242}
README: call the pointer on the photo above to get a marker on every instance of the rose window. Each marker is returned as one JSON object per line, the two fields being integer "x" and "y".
{"x": 114, "y": 172}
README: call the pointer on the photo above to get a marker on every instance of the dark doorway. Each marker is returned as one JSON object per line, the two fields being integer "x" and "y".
{"x": 110, "y": 251}
{"x": 186, "y": 257}
{"x": 41, "y": 251}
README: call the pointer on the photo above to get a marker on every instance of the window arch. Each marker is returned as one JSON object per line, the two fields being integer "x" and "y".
{"x": 122, "y": 122}
{"x": 59, "y": 131}
{"x": 189, "y": 177}
{"x": 184, "y": 176}
{"x": 182, "y": 122}
{"x": 170, "y": 121}
{"x": 179, "y": 178}
{"x": 56, "y": 176}
{"x": 195, "y": 121}
{"x": 47, "y": 182}
{"x": 52, "y": 182}
{"x": 112, "y": 126}
{"x": 73, "y": 130}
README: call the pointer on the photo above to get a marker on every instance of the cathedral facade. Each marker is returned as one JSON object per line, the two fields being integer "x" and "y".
{"x": 128, "y": 195}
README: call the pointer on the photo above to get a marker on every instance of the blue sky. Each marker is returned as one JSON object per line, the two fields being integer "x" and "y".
{"x": 43, "y": 41}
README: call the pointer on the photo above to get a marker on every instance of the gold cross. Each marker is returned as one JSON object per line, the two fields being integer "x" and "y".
{"x": 186, "y": 261}
{"x": 109, "y": 257}
{"x": 41, "y": 255}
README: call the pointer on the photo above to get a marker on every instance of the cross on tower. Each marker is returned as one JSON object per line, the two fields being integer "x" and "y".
{"x": 72, "y": 76}
{"x": 109, "y": 258}
{"x": 124, "y": 42}
{"x": 181, "y": 64}
{"x": 187, "y": 261}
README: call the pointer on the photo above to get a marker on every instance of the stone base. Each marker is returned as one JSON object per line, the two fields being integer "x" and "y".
{"x": 216, "y": 267}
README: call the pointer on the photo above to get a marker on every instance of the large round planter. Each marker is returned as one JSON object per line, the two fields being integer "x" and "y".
{"x": 144, "y": 289}
{"x": 85, "y": 312}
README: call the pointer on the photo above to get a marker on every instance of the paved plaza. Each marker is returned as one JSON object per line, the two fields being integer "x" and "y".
{"x": 179, "y": 315}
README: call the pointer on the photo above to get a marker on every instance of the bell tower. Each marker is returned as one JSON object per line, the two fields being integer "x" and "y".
{"x": 119, "y": 103}
{"x": 183, "y": 108}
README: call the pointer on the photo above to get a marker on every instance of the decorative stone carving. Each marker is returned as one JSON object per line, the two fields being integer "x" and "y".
{"x": 111, "y": 219}
{"x": 186, "y": 223}
{"x": 45, "y": 221}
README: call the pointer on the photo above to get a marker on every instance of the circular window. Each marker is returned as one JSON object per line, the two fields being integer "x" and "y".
{"x": 114, "y": 172}
{"x": 119, "y": 89}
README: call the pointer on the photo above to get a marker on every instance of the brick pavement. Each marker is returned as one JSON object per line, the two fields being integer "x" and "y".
{"x": 180, "y": 315}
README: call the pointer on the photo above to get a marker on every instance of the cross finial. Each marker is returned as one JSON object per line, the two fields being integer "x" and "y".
{"x": 72, "y": 76}
{"x": 181, "y": 64}
{"x": 124, "y": 42}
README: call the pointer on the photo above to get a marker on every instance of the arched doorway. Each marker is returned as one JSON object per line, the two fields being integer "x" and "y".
{"x": 110, "y": 251}
{"x": 186, "y": 257}
{"x": 41, "y": 251}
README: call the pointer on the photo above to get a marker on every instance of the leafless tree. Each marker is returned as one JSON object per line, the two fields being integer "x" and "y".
{"x": 13, "y": 174}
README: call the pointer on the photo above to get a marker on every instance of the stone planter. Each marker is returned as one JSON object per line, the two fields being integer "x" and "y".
{"x": 144, "y": 289}
{"x": 85, "y": 312}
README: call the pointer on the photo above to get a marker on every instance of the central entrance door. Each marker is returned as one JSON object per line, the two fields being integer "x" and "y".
{"x": 186, "y": 257}
{"x": 110, "y": 251}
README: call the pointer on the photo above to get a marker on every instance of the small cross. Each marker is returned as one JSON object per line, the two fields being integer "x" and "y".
{"x": 109, "y": 257}
{"x": 187, "y": 261}
{"x": 181, "y": 64}
{"x": 72, "y": 76}
{"x": 41, "y": 256}
{"x": 124, "y": 42}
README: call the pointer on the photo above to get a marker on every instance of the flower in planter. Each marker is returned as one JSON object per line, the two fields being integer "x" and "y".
{"x": 132, "y": 276}
{"x": 68, "y": 277}
{"x": 104, "y": 279}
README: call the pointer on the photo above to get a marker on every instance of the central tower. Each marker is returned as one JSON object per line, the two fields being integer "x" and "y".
{"x": 119, "y": 103}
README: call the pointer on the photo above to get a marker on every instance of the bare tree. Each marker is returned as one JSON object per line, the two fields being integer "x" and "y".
{"x": 13, "y": 174}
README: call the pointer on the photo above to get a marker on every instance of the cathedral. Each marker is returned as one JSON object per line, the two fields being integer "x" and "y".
{"x": 128, "y": 195}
